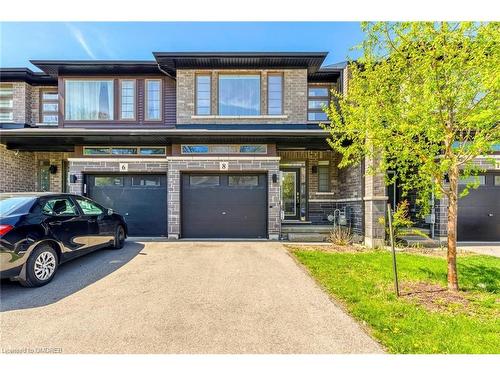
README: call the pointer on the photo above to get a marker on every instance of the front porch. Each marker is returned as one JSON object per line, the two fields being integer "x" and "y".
{"x": 316, "y": 195}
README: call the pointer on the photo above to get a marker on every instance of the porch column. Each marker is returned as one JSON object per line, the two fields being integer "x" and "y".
{"x": 375, "y": 202}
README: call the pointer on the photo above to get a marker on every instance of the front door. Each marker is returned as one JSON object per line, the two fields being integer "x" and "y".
{"x": 290, "y": 193}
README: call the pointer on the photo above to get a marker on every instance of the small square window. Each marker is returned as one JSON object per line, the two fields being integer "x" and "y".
{"x": 497, "y": 180}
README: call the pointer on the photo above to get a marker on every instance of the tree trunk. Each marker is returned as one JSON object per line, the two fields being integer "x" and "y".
{"x": 452, "y": 229}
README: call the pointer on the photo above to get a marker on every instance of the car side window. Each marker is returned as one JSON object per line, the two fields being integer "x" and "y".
{"x": 59, "y": 207}
{"x": 88, "y": 207}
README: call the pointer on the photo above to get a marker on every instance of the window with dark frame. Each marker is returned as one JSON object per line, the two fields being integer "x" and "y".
{"x": 203, "y": 96}
{"x": 127, "y": 99}
{"x": 323, "y": 177}
{"x": 318, "y": 96}
{"x": 275, "y": 94}
{"x": 49, "y": 106}
{"x": 6, "y": 102}
{"x": 153, "y": 99}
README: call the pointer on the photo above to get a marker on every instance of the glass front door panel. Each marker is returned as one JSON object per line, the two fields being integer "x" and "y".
{"x": 289, "y": 192}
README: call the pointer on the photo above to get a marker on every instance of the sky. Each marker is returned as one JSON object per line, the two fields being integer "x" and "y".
{"x": 24, "y": 41}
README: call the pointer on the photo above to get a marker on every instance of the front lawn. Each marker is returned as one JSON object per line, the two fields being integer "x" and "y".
{"x": 426, "y": 319}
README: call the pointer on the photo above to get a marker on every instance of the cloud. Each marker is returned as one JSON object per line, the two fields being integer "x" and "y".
{"x": 81, "y": 40}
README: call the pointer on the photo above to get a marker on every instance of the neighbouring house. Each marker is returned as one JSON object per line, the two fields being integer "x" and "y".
{"x": 199, "y": 145}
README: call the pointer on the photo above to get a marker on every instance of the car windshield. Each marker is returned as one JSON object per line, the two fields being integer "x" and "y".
{"x": 10, "y": 204}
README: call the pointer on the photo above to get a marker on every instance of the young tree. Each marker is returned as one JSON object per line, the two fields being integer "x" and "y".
{"x": 425, "y": 96}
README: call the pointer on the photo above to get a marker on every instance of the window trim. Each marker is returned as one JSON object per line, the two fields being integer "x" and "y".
{"x": 259, "y": 74}
{"x": 146, "y": 117}
{"x": 275, "y": 74}
{"x": 42, "y": 101}
{"x": 209, "y": 75}
{"x": 135, "y": 106}
{"x": 327, "y": 98}
{"x": 63, "y": 99}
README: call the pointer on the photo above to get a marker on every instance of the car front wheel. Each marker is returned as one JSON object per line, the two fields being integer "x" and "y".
{"x": 119, "y": 240}
{"x": 40, "y": 267}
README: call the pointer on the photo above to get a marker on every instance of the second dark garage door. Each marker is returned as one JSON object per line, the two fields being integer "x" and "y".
{"x": 224, "y": 205}
{"x": 141, "y": 199}
{"x": 479, "y": 211}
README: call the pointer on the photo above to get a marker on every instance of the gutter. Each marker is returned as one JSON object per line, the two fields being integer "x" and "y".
{"x": 165, "y": 72}
{"x": 34, "y": 132}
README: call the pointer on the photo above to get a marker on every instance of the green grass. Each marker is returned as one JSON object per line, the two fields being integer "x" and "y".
{"x": 363, "y": 281}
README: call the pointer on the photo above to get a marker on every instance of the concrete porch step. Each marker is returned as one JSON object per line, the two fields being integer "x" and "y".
{"x": 306, "y": 237}
{"x": 323, "y": 229}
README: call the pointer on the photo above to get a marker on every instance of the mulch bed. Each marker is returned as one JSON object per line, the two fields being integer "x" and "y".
{"x": 434, "y": 297}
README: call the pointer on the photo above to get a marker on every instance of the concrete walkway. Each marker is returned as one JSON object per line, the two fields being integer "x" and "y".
{"x": 485, "y": 248}
{"x": 180, "y": 297}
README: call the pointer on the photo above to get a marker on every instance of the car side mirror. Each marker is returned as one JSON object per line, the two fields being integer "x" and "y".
{"x": 110, "y": 211}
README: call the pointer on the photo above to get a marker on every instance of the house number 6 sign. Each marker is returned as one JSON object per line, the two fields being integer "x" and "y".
{"x": 224, "y": 166}
{"x": 123, "y": 167}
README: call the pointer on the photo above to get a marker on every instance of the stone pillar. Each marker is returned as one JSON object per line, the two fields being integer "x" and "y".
{"x": 375, "y": 201}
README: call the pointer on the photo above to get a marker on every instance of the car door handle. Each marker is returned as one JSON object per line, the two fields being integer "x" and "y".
{"x": 92, "y": 220}
{"x": 55, "y": 223}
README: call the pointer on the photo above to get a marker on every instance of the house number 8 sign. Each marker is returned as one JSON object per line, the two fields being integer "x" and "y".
{"x": 224, "y": 166}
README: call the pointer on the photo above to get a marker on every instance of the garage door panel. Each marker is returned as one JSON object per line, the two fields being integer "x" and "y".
{"x": 224, "y": 211}
{"x": 141, "y": 199}
{"x": 479, "y": 213}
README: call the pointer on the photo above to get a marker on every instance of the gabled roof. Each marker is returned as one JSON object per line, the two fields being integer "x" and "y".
{"x": 171, "y": 61}
{"x": 97, "y": 67}
{"x": 25, "y": 75}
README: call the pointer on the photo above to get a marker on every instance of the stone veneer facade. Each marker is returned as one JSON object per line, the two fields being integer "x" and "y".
{"x": 294, "y": 98}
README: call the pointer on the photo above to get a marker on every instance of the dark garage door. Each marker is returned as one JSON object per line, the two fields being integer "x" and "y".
{"x": 142, "y": 199}
{"x": 224, "y": 206}
{"x": 479, "y": 211}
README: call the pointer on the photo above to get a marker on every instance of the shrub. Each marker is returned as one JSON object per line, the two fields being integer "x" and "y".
{"x": 341, "y": 236}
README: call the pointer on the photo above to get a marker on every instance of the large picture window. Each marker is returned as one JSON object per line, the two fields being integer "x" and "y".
{"x": 239, "y": 95}
{"x": 88, "y": 100}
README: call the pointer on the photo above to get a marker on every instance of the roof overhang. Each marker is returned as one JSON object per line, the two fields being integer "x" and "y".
{"x": 55, "y": 68}
{"x": 240, "y": 60}
{"x": 26, "y": 75}
{"x": 61, "y": 139}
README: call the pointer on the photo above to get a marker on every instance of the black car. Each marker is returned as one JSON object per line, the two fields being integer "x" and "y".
{"x": 39, "y": 231}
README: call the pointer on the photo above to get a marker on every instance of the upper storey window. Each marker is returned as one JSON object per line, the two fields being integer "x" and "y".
{"x": 153, "y": 99}
{"x": 127, "y": 99}
{"x": 6, "y": 102}
{"x": 275, "y": 94}
{"x": 203, "y": 94}
{"x": 89, "y": 100}
{"x": 318, "y": 97}
{"x": 49, "y": 102}
{"x": 239, "y": 95}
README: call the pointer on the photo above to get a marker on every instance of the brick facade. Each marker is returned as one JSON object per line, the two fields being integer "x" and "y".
{"x": 294, "y": 98}
{"x": 18, "y": 171}
{"x": 375, "y": 201}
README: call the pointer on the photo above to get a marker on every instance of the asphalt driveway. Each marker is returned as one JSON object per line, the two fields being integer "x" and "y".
{"x": 180, "y": 297}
